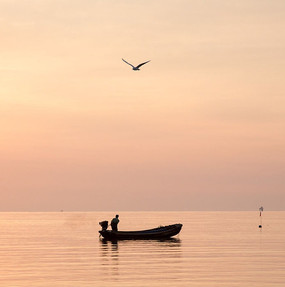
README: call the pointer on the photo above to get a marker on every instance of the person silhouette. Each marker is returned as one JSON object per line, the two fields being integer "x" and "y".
{"x": 114, "y": 223}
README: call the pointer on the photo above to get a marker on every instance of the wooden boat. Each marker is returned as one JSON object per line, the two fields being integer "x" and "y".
{"x": 162, "y": 232}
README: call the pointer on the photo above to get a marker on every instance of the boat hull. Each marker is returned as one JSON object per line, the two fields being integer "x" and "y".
{"x": 156, "y": 233}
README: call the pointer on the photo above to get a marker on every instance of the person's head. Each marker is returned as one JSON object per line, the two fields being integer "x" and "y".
{"x": 117, "y": 215}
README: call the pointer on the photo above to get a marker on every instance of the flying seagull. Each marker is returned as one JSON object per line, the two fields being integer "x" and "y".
{"x": 137, "y": 68}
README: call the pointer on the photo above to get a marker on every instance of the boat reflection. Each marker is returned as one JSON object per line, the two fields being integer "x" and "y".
{"x": 169, "y": 247}
{"x": 109, "y": 259}
{"x": 116, "y": 255}
{"x": 168, "y": 241}
{"x": 109, "y": 247}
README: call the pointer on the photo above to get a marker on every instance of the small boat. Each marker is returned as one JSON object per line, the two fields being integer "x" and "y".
{"x": 162, "y": 232}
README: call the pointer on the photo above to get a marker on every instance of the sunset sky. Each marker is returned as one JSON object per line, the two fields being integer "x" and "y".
{"x": 200, "y": 127}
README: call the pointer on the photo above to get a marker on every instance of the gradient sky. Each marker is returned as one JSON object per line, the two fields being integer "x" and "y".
{"x": 200, "y": 127}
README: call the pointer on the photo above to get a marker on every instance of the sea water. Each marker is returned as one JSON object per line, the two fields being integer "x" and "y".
{"x": 63, "y": 249}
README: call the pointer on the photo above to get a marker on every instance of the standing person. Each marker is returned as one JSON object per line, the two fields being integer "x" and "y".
{"x": 114, "y": 223}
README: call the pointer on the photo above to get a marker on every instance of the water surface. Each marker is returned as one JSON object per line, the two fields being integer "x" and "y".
{"x": 213, "y": 249}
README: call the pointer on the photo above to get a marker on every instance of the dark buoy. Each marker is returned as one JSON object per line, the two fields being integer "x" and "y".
{"x": 260, "y": 212}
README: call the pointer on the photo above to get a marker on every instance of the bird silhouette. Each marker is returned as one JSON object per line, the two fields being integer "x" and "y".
{"x": 137, "y": 68}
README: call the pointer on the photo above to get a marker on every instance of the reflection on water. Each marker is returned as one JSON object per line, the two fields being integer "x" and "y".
{"x": 169, "y": 241}
{"x": 117, "y": 256}
{"x": 105, "y": 244}
{"x": 109, "y": 258}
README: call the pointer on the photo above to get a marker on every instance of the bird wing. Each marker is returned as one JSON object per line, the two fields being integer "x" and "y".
{"x": 127, "y": 63}
{"x": 142, "y": 64}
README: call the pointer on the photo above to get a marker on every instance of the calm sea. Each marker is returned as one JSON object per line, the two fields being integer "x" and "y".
{"x": 213, "y": 249}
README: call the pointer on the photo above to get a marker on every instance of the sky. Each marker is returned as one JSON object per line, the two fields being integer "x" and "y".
{"x": 200, "y": 127}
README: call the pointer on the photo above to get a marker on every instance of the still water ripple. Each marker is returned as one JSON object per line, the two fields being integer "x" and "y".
{"x": 213, "y": 249}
